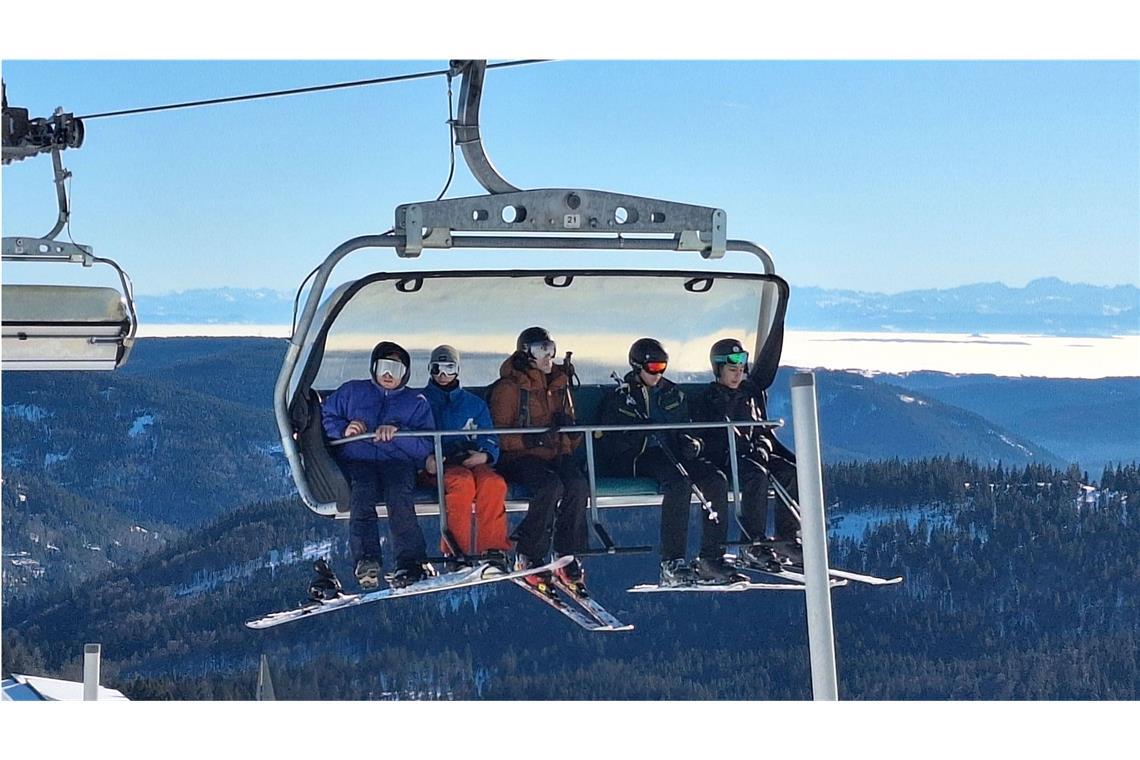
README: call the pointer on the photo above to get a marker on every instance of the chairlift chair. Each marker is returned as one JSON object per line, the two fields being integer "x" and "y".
{"x": 64, "y": 327}
{"x": 637, "y": 291}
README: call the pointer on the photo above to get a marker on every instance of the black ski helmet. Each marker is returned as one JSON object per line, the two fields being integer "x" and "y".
{"x": 388, "y": 348}
{"x": 723, "y": 348}
{"x": 646, "y": 350}
{"x": 531, "y": 335}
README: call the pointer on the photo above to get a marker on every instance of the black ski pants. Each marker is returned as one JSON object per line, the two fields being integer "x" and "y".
{"x": 678, "y": 495}
{"x": 559, "y": 493}
{"x": 754, "y": 484}
{"x": 392, "y": 482}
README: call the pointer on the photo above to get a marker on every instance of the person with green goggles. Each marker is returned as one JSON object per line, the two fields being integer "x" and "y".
{"x": 760, "y": 456}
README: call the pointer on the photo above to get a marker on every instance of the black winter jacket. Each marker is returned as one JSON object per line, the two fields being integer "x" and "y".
{"x": 628, "y": 404}
{"x": 719, "y": 403}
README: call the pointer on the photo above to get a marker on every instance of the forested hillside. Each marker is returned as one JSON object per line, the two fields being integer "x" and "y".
{"x": 1020, "y": 585}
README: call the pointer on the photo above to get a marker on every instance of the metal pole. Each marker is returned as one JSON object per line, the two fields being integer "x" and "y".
{"x": 735, "y": 466}
{"x": 91, "y": 654}
{"x": 264, "y": 682}
{"x": 441, "y": 495}
{"x": 591, "y": 476}
{"x": 809, "y": 468}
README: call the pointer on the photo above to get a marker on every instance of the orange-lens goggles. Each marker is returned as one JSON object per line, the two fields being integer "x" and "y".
{"x": 655, "y": 368}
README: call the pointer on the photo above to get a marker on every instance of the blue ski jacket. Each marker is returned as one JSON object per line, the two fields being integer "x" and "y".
{"x": 375, "y": 406}
{"x": 457, "y": 409}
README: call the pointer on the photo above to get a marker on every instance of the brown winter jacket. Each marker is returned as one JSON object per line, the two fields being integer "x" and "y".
{"x": 548, "y": 397}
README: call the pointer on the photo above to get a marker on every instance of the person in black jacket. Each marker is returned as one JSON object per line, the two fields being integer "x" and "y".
{"x": 646, "y": 396}
{"x": 733, "y": 396}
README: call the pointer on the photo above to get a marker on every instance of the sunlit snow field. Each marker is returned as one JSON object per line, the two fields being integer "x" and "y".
{"x": 1008, "y": 355}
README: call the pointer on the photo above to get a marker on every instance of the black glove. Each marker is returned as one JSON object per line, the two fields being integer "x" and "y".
{"x": 560, "y": 419}
{"x": 551, "y": 440}
{"x": 688, "y": 446}
{"x": 758, "y": 452}
{"x": 459, "y": 456}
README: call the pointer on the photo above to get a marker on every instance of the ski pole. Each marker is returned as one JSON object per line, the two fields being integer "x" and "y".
{"x": 777, "y": 487}
{"x": 706, "y": 505}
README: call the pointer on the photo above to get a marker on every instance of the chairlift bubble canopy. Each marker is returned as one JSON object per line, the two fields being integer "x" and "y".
{"x": 594, "y": 312}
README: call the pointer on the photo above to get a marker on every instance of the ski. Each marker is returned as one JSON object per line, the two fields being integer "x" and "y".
{"x": 479, "y": 574}
{"x": 787, "y": 552}
{"x": 551, "y": 599}
{"x": 582, "y": 597}
{"x": 870, "y": 580}
{"x": 648, "y": 588}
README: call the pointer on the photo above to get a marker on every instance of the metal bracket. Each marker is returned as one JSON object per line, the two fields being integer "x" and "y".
{"x": 467, "y": 126}
{"x": 46, "y": 249}
{"x": 431, "y": 224}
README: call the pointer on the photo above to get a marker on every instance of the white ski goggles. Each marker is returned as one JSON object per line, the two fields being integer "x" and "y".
{"x": 391, "y": 367}
{"x": 543, "y": 349}
{"x": 444, "y": 368}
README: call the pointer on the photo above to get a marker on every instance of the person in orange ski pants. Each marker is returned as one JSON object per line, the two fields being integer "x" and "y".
{"x": 470, "y": 482}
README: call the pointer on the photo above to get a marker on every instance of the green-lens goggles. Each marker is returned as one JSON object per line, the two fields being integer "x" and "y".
{"x": 739, "y": 357}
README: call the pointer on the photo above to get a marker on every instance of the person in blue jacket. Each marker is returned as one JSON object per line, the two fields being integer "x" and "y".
{"x": 471, "y": 486}
{"x": 383, "y": 468}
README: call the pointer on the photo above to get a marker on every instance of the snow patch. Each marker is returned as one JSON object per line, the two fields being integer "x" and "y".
{"x": 911, "y": 400}
{"x": 316, "y": 549}
{"x": 141, "y": 423}
{"x": 50, "y": 459}
{"x": 204, "y": 581}
{"x": 1012, "y": 443}
{"x": 853, "y": 525}
{"x": 29, "y": 412}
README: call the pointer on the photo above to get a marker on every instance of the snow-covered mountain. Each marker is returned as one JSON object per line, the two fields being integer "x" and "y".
{"x": 240, "y": 306}
{"x": 1047, "y": 306}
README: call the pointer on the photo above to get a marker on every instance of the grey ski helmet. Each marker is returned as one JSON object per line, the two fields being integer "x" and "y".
{"x": 388, "y": 348}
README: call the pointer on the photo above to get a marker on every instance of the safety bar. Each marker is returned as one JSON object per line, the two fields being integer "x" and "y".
{"x": 608, "y": 545}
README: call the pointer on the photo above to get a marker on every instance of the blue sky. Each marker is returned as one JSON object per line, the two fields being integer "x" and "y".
{"x": 868, "y": 175}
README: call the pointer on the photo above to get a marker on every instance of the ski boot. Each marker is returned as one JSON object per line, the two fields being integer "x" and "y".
{"x": 573, "y": 577}
{"x": 406, "y": 576}
{"x": 496, "y": 558}
{"x": 455, "y": 564}
{"x": 714, "y": 571}
{"x": 789, "y": 551}
{"x": 539, "y": 581}
{"x": 760, "y": 557}
{"x": 325, "y": 586}
{"x": 676, "y": 572}
{"x": 368, "y": 574}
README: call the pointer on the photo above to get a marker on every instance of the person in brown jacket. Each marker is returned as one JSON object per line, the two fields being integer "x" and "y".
{"x": 532, "y": 391}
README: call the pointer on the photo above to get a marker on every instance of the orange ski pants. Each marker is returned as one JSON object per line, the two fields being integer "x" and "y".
{"x": 480, "y": 490}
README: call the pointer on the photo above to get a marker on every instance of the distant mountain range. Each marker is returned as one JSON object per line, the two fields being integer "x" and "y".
{"x": 1047, "y": 306}
{"x": 238, "y": 306}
